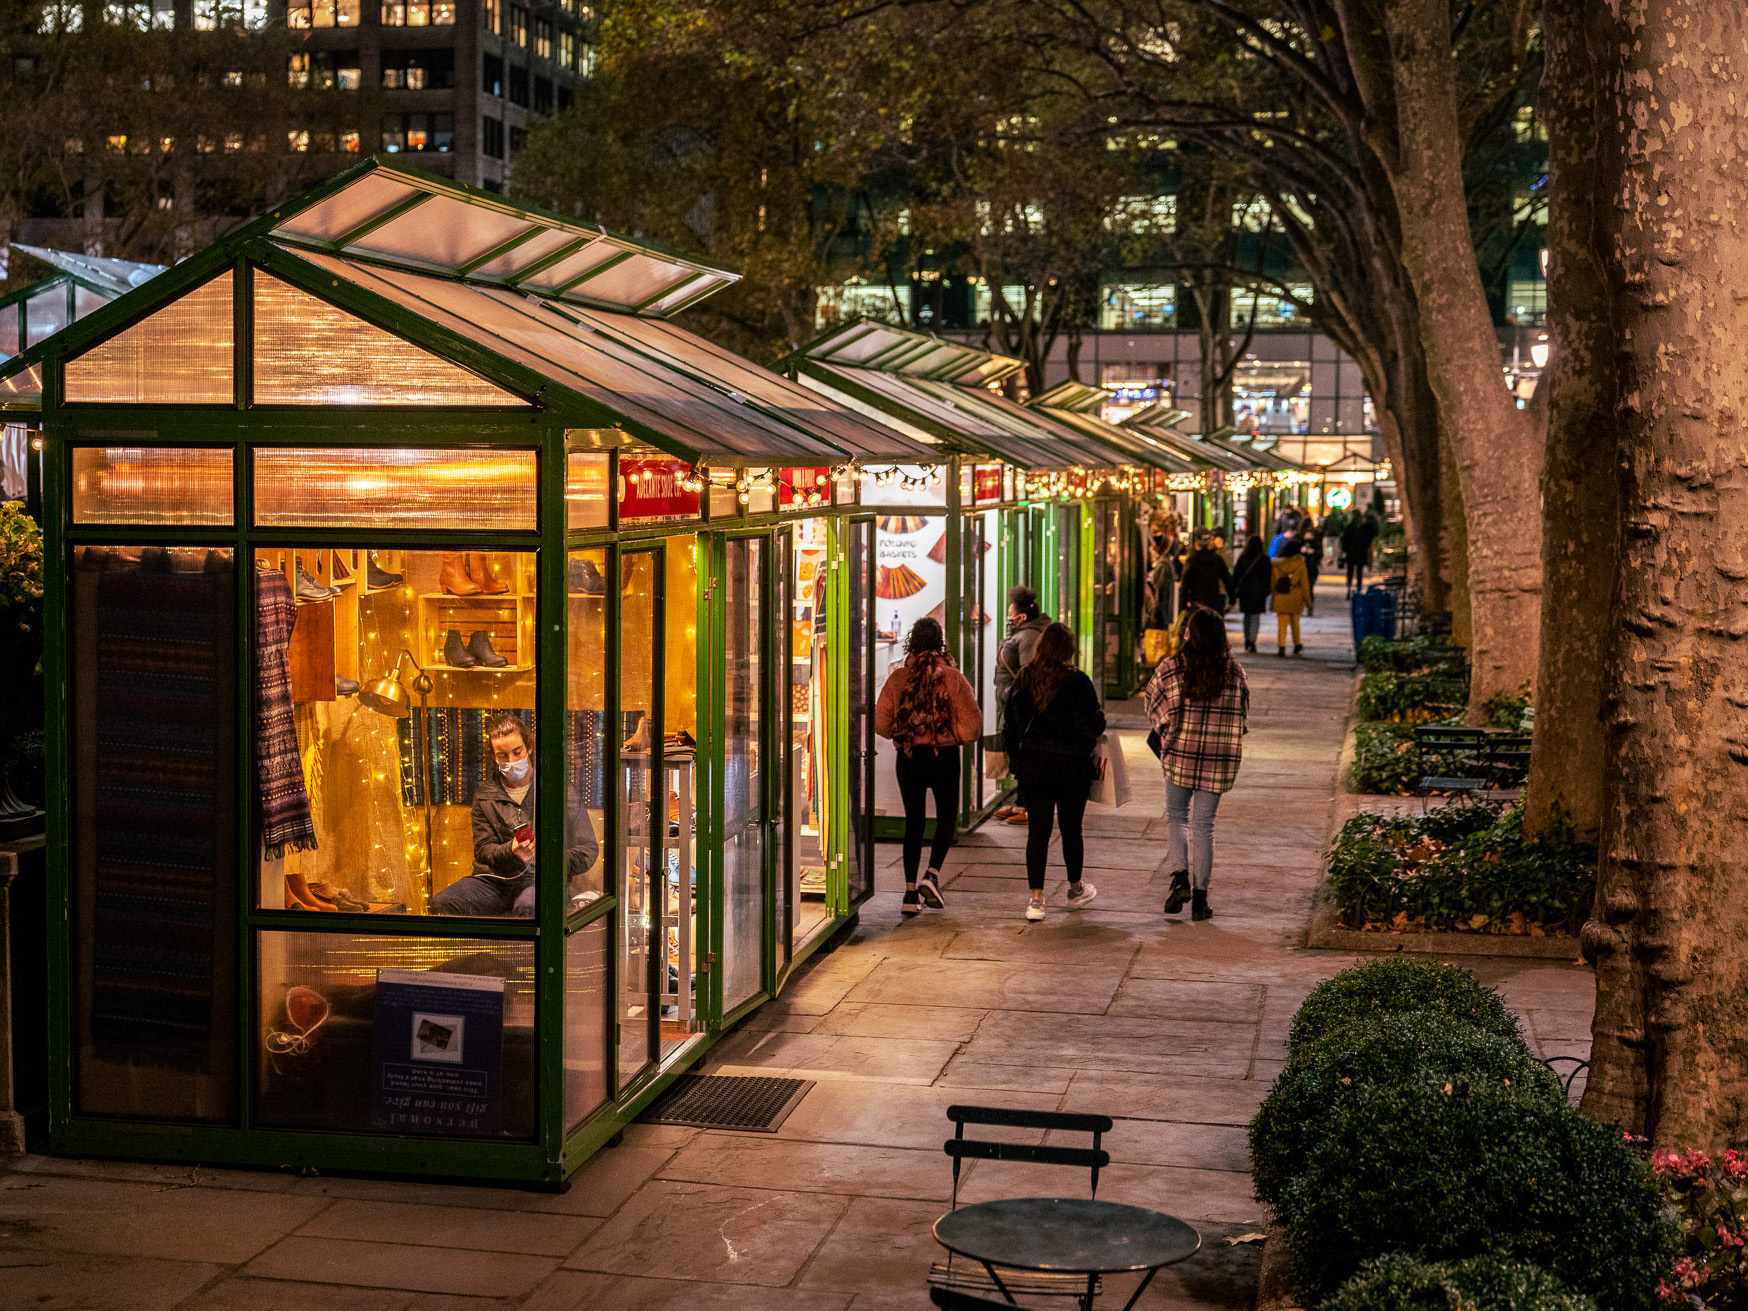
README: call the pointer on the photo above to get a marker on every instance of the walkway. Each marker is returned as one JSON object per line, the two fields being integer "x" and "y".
{"x": 1176, "y": 1028}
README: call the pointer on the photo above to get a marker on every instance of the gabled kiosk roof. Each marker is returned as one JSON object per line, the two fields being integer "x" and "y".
{"x": 1078, "y": 405}
{"x": 500, "y": 293}
{"x": 1152, "y": 425}
{"x": 941, "y": 388}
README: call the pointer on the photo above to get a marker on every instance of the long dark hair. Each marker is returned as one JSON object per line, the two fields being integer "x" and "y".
{"x": 925, "y": 635}
{"x": 1253, "y": 551}
{"x": 1206, "y": 654}
{"x": 1051, "y": 664}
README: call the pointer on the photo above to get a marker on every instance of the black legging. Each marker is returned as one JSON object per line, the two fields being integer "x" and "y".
{"x": 1356, "y": 574}
{"x": 925, "y": 770}
{"x": 1070, "y": 810}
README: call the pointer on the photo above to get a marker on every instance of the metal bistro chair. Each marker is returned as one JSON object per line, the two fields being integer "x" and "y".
{"x": 962, "y": 1281}
{"x": 1467, "y": 743}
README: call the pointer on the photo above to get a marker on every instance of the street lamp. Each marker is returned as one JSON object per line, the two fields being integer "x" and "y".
{"x": 1539, "y": 353}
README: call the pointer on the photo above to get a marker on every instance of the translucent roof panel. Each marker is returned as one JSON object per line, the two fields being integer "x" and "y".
{"x": 110, "y": 275}
{"x": 450, "y": 228}
{"x": 348, "y": 210}
{"x": 1066, "y": 446}
{"x": 692, "y": 354}
{"x": 900, "y": 350}
{"x": 22, "y": 389}
{"x": 594, "y": 365}
{"x": 442, "y": 232}
{"x": 1070, "y": 395}
{"x": 683, "y": 293}
{"x": 180, "y": 355}
{"x": 514, "y": 261}
{"x": 634, "y": 281}
{"x": 973, "y": 431}
{"x": 1202, "y": 454}
{"x": 855, "y": 345}
{"x": 1127, "y": 444}
{"x": 308, "y": 352}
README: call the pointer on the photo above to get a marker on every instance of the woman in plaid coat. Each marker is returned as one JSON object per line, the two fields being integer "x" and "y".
{"x": 1198, "y": 701}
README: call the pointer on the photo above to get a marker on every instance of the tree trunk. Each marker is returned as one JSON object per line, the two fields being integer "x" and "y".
{"x": 1580, "y": 486}
{"x": 1670, "y": 1039}
{"x": 1495, "y": 447}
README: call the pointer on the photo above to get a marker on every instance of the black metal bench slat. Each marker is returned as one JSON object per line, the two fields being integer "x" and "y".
{"x": 1016, "y": 1118}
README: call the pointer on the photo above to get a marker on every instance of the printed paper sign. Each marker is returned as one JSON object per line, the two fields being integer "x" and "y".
{"x": 437, "y": 1055}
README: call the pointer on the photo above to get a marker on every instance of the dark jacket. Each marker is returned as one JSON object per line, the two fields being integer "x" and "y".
{"x": 1162, "y": 584}
{"x": 1252, "y": 579}
{"x": 1207, "y": 580}
{"x": 1052, "y": 749}
{"x": 1356, "y": 539}
{"x": 1014, "y": 654}
{"x": 495, "y": 821}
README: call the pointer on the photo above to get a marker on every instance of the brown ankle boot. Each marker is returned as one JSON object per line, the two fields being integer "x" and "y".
{"x": 485, "y": 574}
{"x": 454, "y": 578}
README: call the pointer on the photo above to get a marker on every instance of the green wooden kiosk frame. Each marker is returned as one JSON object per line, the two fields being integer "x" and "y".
{"x": 576, "y": 382}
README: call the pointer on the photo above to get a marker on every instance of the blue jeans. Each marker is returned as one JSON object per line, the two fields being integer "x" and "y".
{"x": 474, "y": 895}
{"x": 1252, "y": 626}
{"x": 1189, "y": 842}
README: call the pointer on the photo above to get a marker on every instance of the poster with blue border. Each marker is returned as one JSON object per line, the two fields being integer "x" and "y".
{"x": 437, "y": 1053}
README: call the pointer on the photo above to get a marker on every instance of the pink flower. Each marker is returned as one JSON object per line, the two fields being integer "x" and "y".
{"x": 1687, "y": 1274}
{"x": 1664, "y": 1291}
{"x": 1735, "y": 1164}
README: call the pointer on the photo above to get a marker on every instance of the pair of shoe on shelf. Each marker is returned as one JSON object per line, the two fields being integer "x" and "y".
{"x": 476, "y": 651}
{"x": 469, "y": 573}
{"x": 301, "y": 894}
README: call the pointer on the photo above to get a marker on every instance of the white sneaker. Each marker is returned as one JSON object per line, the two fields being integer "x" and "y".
{"x": 1034, "y": 910}
{"x": 1087, "y": 893}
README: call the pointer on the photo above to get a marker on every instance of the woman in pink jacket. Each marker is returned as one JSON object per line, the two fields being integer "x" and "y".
{"x": 930, "y": 712}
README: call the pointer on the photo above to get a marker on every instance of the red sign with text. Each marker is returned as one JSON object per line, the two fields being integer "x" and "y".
{"x": 650, "y": 489}
{"x": 987, "y": 484}
{"x": 799, "y": 487}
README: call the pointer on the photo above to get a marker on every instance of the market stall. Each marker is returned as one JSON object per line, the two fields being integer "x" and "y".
{"x": 394, "y": 510}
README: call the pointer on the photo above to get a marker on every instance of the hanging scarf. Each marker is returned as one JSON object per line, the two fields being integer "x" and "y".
{"x": 285, "y": 806}
{"x": 926, "y": 707}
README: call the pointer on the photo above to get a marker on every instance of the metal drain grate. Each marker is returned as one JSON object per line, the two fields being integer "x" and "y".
{"x": 728, "y": 1101}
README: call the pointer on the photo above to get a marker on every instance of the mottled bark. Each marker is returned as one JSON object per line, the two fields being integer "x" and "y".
{"x": 1497, "y": 448}
{"x": 1580, "y": 486}
{"x": 1670, "y": 1040}
{"x": 1454, "y": 532}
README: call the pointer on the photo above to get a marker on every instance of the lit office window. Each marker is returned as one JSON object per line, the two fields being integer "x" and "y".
{"x": 322, "y": 13}
{"x": 1127, "y": 306}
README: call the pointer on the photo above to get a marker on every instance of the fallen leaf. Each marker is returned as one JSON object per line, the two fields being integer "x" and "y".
{"x": 1478, "y": 921}
{"x": 1519, "y": 922}
{"x": 1254, "y": 1236}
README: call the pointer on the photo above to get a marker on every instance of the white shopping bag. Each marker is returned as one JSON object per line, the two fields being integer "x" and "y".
{"x": 1110, "y": 775}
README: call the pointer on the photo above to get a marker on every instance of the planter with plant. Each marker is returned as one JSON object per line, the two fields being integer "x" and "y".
{"x": 21, "y": 563}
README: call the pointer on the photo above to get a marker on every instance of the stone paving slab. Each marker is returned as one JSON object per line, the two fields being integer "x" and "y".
{"x": 1173, "y": 1028}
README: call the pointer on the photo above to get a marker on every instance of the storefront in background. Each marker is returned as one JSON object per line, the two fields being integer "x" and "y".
{"x": 459, "y": 685}
{"x": 1027, "y": 505}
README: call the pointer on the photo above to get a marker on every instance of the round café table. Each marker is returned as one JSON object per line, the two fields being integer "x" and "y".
{"x": 1067, "y": 1235}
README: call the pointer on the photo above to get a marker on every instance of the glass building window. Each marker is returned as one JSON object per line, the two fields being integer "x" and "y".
{"x": 491, "y": 16}
{"x": 542, "y": 95}
{"x": 151, "y": 485}
{"x": 308, "y": 352}
{"x": 322, "y": 13}
{"x": 543, "y": 38}
{"x": 519, "y": 86}
{"x": 418, "y": 70}
{"x": 492, "y": 75}
{"x": 863, "y": 300}
{"x": 326, "y": 70}
{"x": 1271, "y": 311}
{"x": 492, "y": 137}
{"x": 518, "y": 25}
{"x": 419, "y": 13}
{"x": 1133, "y": 305}
{"x": 1527, "y": 302}
{"x": 407, "y": 487}
{"x": 407, "y": 684}
{"x": 415, "y": 132}
{"x": 218, "y": 15}
{"x": 180, "y": 355}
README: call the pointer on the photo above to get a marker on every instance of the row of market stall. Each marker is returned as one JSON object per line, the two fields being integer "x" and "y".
{"x": 400, "y": 483}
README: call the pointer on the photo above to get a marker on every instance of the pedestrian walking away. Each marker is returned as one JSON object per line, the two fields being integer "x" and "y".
{"x": 1311, "y": 547}
{"x": 1252, "y": 577}
{"x": 1197, "y": 702}
{"x": 1053, "y": 723}
{"x": 929, "y": 711}
{"x": 1291, "y": 594}
{"x": 1206, "y": 578}
{"x": 1026, "y": 624}
{"x": 1356, "y": 548}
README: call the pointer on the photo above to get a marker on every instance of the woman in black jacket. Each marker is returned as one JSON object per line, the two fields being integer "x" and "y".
{"x": 1250, "y": 578}
{"x": 1052, "y": 723}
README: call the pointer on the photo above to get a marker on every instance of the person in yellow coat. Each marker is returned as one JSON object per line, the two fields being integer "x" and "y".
{"x": 1291, "y": 594}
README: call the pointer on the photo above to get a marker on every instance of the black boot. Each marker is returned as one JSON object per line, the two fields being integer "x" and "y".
{"x": 308, "y": 589}
{"x": 586, "y": 579}
{"x": 1199, "y": 905}
{"x": 1178, "y": 893}
{"x": 479, "y": 646}
{"x": 455, "y": 652}
{"x": 376, "y": 577}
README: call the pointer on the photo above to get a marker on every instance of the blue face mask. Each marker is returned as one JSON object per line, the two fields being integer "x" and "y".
{"x": 516, "y": 770}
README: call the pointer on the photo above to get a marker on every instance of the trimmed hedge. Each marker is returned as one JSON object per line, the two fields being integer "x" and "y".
{"x": 1445, "y": 1175}
{"x": 1481, "y": 1283}
{"x": 1396, "y": 984}
{"x": 1402, "y": 654}
{"x": 1417, "y": 1047}
{"x": 1463, "y": 868}
{"x": 1411, "y": 698}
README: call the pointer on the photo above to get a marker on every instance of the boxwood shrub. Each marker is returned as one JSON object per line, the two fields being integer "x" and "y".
{"x": 1403, "y": 654}
{"x": 1481, "y": 1283}
{"x": 1444, "y": 1173}
{"x": 1397, "y": 983}
{"x": 1417, "y": 1047}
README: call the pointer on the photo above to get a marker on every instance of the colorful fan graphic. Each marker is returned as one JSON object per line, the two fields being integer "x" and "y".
{"x": 938, "y": 552}
{"x": 901, "y": 523}
{"x": 898, "y": 583}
